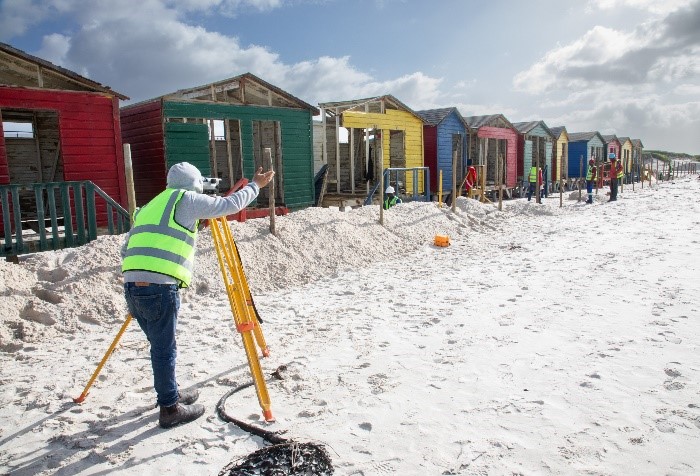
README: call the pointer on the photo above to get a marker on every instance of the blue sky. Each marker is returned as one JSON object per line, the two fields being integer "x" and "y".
{"x": 628, "y": 67}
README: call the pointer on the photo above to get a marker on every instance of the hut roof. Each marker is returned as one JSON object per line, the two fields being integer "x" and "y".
{"x": 584, "y": 136}
{"x": 525, "y": 127}
{"x": 475, "y": 122}
{"x": 253, "y": 86}
{"x": 637, "y": 143}
{"x": 433, "y": 117}
{"x": 18, "y": 68}
{"x": 556, "y": 131}
{"x": 372, "y": 104}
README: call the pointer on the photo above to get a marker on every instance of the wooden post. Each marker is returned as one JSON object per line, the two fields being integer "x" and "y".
{"x": 537, "y": 172}
{"x": 454, "y": 180}
{"x": 229, "y": 152}
{"x": 212, "y": 144}
{"x": 580, "y": 175}
{"x": 379, "y": 154}
{"x": 561, "y": 179}
{"x": 499, "y": 168}
{"x": 129, "y": 174}
{"x": 267, "y": 152}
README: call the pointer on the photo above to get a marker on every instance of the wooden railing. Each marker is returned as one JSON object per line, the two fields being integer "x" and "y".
{"x": 56, "y": 215}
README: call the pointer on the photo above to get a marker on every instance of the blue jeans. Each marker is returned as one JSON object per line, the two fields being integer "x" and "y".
{"x": 155, "y": 308}
{"x": 531, "y": 190}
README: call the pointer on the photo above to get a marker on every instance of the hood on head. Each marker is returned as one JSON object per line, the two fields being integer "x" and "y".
{"x": 185, "y": 176}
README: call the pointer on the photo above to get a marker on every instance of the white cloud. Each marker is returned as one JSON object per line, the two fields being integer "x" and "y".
{"x": 652, "y": 6}
{"x": 16, "y": 16}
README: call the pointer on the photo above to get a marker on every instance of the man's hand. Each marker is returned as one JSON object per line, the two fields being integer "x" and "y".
{"x": 262, "y": 179}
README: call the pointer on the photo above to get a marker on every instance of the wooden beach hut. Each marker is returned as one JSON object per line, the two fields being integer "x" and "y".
{"x": 535, "y": 144}
{"x": 582, "y": 147}
{"x": 626, "y": 156}
{"x": 493, "y": 139}
{"x": 223, "y": 128}
{"x": 637, "y": 157}
{"x": 560, "y": 157}
{"x": 355, "y": 133}
{"x": 444, "y": 136}
{"x": 57, "y": 127}
{"x": 612, "y": 147}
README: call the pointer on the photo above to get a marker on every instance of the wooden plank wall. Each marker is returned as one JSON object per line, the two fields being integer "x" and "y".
{"x": 142, "y": 127}
{"x": 511, "y": 153}
{"x": 393, "y": 120}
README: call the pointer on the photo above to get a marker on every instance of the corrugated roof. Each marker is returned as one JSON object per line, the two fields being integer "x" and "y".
{"x": 341, "y": 106}
{"x": 579, "y": 136}
{"x": 83, "y": 81}
{"x": 557, "y": 131}
{"x": 475, "y": 122}
{"x": 433, "y": 117}
{"x": 525, "y": 127}
{"x": 610, "y": 138}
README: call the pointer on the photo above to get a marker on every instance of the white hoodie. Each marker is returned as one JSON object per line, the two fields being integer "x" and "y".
{"x": 193, "y": 206}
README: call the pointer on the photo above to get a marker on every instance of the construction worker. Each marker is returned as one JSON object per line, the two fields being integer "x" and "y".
{"x": 620, "y": 173}
{"x": 391, "y": 199}
{"x": 590, "y": 179}
{"x": 613, "y": 180}
{"x": 533, "y": 177}
{"x": 158, "y": 259}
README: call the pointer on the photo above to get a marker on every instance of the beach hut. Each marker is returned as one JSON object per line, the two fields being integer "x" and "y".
{"x": 535, "y": 144}
{"x": 637, "y": 157}
{"x": 626, "y": 156}
{"x": 493, "y": 139}
{"x": 223, "y": 128}
{"x": 57, "y": 127}
{"x": 560, "y": 157}
{"x": 353, "y": 131}
{"x": 444, "y": 137}
{"x": 582, "y": 147}
{"x": 612, "y": 147}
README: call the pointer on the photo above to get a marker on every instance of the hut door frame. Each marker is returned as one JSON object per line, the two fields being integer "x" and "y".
{"x": 269, "y": 134}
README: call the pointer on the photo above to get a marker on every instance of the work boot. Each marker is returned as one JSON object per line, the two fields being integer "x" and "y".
{"x": 188, "y": 397}
{"x": 178, "y": 414}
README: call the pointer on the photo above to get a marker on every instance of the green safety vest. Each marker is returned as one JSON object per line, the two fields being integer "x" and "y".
{"x": 589, "y": 173}
{"x": 159, "y": 244}
{"x": 621, "y": 173}
{"x": 533, "y": 174}
{"x": 389, "y": 202}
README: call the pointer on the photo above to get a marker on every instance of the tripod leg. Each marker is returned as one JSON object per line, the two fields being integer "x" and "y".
{"x": 104, "y": 360}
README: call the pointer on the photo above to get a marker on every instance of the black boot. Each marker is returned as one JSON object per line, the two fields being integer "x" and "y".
{"x": 178, "y": 414}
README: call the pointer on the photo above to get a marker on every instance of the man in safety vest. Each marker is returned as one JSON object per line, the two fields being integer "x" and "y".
{"x": 613, "y": 180}
{"x": 535, "y": 174}
{"x": 590, "y": 180}
{"x": 620, "y": 173}
{"x": 158, "y": 259}
{"x": 391, "y": 199}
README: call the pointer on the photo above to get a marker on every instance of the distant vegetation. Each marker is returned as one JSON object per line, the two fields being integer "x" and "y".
{"x": 668, "y": 156}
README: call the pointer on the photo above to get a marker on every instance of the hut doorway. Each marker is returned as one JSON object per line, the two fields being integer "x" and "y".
{"x": 227, "y": 152}
{"x": 267, "y": 135}
{"x": 33, "y": 152}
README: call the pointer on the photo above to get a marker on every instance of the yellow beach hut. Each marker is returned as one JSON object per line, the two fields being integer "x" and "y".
{"x": 560, "y": 157}
{"x": 355, "y": 132}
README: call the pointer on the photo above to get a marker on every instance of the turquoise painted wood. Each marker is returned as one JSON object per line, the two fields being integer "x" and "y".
{"x": 527, "y": 159}
{"x": 548, "y": 161}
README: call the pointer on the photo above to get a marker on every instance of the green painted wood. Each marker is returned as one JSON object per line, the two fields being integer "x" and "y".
{"x": 296, "y": 141}
{"x": 187, "y": 142}
{"x": 39, "y": 197}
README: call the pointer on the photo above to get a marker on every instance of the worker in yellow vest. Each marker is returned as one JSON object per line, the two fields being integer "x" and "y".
{"x": 158, "y": 259}
{"x": 533, "y": 180}
{"x": 620, "y": 173}
{"x": 590, "y": 179}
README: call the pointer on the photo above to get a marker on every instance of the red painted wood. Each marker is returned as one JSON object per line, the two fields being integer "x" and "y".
{"x": 430, "y": 154}
{"x": 88, "y": 128}
{"x": 511, "y": 138}
{"x": 142, "y": 127}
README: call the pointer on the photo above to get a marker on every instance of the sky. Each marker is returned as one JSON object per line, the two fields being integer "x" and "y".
{"x": 625, "y": 67}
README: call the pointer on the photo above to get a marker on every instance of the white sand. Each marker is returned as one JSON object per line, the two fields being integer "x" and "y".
{"x": 545, "y": 340}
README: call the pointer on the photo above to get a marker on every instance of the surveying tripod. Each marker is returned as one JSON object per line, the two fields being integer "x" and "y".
{"x": 245, "y": 314}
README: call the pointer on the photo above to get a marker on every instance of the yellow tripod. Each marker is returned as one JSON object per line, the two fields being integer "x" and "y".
{"x": 245, "y": 314}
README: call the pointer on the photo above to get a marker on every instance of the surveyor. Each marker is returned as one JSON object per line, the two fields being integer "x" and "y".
{"x": 590, "y": 179}
{"x": 391, "y": 199}
{"x": 158, "y": 259}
